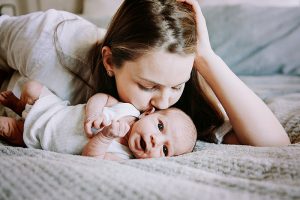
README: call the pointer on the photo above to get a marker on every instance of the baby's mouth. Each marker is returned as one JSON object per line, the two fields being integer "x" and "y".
{"x": 143, "y": 144}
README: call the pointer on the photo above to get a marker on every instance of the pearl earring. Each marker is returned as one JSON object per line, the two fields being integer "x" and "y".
{"x": 109, "y": 73}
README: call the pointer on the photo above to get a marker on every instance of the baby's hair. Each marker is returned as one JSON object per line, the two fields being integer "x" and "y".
{"x": 188, "y": 128}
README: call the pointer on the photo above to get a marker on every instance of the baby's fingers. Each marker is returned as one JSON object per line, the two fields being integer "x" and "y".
{"x": 97, "y": 123}
{"x": 119, "y": 129}
{"x": 105, "y": 122}
{"x": 88, "y": 128}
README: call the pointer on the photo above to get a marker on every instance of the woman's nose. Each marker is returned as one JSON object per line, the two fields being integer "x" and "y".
{"x": 161, "y": 101}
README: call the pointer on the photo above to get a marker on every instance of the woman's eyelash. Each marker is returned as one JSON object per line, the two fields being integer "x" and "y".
{"x": 177, "y": 88}
{"x": 146, "y": 88}
{"x": 153, "y": 88}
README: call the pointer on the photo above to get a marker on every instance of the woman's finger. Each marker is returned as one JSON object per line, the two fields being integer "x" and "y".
{"x": 203, "y": 38}
{"x": 198, "y": 13}
{"x": 195, "y": 5}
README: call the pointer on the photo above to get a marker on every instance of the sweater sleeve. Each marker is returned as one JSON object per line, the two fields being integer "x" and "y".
{"x": 46, "y": 46}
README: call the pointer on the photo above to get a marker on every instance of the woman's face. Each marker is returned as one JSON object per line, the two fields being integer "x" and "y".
{"x": 155, "y": 80}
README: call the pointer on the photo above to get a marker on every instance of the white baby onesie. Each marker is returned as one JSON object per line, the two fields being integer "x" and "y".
{"x": 52, "y": 124}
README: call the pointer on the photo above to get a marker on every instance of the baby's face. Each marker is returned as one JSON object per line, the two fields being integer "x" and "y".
{"x": 159, "y": 134}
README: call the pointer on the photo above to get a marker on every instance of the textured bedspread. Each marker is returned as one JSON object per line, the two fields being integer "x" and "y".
{"x": 210, "y": 172}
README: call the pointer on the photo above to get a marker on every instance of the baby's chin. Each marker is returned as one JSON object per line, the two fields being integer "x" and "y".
{"x": 137, "y": 155}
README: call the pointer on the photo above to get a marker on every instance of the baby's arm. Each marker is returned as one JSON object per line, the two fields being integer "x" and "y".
{"x": 98, "y": 145}
{"x": 93, "y": 112}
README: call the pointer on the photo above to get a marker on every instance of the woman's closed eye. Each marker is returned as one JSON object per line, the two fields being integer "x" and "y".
{"x": 179, "y": 87}
{"x": 146, "y": 88}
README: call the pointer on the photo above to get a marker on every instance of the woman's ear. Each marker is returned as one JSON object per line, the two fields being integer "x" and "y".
{"x": 107, "y": 60}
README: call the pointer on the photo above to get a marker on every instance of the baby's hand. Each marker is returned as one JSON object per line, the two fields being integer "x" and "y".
{"x": 117, "y": 129}
{"x": 94, "y": 123}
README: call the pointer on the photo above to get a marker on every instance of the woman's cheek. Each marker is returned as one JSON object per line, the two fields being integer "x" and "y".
{"x": 176, "y": 96}
{"x": 142, "y": 100}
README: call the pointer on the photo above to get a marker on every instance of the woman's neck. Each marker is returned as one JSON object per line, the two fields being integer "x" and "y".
{"x": 130, "y": 120}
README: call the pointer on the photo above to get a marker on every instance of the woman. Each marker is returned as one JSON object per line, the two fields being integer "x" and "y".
{"x": 158, "y": 54}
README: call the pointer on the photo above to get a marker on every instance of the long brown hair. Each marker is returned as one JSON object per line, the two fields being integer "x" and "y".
{"x": 140, "y": 26}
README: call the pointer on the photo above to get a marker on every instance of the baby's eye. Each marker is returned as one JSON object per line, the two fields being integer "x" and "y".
{"x": 165, "y": 150}
{"x": 160, "y": 126}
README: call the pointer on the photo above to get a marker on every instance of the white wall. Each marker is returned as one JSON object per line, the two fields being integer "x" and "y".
{"x": 26, "y": 6}
{"x": 68, "y": 5}
{"x": 107, "y": 6}
{"x": 255, "y": 2}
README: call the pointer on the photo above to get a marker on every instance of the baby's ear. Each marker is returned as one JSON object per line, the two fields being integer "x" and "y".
{"x": 147, "y": 112}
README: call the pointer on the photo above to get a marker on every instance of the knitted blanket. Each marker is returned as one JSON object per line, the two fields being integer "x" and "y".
{"x": 210, "y": 172}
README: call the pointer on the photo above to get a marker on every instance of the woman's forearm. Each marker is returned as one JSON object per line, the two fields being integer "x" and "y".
{"x": 252, "y": 121}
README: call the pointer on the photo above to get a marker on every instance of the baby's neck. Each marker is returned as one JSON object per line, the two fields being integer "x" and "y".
{"x": 130, "y": 120}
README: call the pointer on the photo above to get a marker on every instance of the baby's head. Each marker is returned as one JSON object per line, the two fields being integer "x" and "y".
{"x": 162, "y": 133}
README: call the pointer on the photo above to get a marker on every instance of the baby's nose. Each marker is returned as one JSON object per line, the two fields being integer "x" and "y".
{"x": 155, "y": 140}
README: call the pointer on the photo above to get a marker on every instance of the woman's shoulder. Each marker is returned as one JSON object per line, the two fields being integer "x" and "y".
{"x": 47, "y": 20}
{"x": 45, "y": 43}
{"x": 51, "y": 15}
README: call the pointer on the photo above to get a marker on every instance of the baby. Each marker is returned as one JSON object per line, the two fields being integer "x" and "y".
{"x": 114, "y": 131}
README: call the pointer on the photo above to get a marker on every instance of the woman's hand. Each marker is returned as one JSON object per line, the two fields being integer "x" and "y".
{"x": 203, "y": 43}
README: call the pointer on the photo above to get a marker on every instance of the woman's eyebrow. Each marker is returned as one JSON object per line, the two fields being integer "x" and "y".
{"x": 149, "y": 81}
{"x": 155, "y": 83}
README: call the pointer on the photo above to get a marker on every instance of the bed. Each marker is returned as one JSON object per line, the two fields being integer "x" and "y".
{"x": 265, "y": 53}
